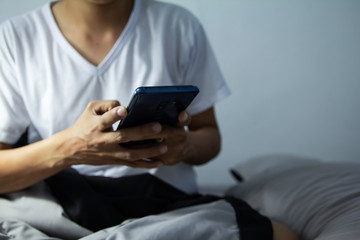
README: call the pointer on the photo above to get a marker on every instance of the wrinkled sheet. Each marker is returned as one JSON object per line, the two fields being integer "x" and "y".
{"x": 34, "y": 214}
{"x": 318, "y": 200}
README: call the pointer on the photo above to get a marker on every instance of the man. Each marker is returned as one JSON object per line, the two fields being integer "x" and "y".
{"x": 59, "y": 60}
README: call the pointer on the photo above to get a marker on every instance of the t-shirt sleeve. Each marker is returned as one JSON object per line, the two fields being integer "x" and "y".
{"x": 204, "y": 72}
{"x": 14, "y": 118}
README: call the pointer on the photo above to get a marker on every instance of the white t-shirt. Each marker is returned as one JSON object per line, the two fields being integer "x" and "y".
{"x": 46, "y": 84}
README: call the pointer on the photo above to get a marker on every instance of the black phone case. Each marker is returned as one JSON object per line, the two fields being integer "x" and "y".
{"x": 158, "y": 104}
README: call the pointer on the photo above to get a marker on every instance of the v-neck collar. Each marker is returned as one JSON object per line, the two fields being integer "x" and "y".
{"x": 120, "y": 42}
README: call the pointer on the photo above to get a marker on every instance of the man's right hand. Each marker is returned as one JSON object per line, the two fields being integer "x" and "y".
{"x": 92, "y": 140}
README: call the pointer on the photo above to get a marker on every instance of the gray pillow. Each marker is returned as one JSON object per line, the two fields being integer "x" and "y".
{"x": 269, "y": 165}
{"x": 317, "y": 200}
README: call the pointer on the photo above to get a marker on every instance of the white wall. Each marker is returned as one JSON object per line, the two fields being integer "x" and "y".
{"x": 294, "y": 70}
{"x": 9, "y": 8}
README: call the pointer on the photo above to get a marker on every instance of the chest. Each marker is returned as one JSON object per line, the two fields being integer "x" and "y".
{"x": 57, "y": 91}
{"x": 92, "y": 48}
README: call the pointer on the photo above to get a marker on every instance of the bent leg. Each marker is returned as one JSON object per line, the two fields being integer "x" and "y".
{"x": 282, "y": 232}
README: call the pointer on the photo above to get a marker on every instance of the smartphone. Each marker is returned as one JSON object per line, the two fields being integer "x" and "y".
{"x": 158, "y": 104}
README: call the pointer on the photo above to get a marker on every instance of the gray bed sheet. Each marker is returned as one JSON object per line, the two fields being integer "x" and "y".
{"x": 33, "y": 214}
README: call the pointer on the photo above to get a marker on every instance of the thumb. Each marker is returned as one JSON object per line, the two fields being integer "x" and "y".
{"x": 112, "y": 116}
{"x": 184, "y": 118}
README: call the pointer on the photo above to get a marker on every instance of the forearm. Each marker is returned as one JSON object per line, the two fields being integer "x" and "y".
{"x": 25, "y": 166}
{"x": 89, "y": 141}
{"x": 202, "y": 145}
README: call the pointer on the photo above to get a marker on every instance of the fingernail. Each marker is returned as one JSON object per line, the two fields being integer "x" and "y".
{"x": 121, "y": 111}
{"x": 156, "y": 127}
{"x": 163, "y": 149}
{"x": 160, "y": 164}
{"x": 184, "y": 117}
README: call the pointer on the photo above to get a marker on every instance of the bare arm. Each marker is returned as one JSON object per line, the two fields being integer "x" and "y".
{"x": 25, "y": 166}
{"x": 204, "y": 140}
{"x": 89, "y": 141}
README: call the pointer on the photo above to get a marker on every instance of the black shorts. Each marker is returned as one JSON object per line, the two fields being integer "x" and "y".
{"x": 101, "y": 202}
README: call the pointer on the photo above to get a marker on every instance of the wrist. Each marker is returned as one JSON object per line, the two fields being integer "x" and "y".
{"x": 202, "y": 146}
{"x": 65, "y": 147}
{"x": 190, "y": 150}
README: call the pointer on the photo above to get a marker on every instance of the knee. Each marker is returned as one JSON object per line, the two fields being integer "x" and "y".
{"x": 282, "y": 232}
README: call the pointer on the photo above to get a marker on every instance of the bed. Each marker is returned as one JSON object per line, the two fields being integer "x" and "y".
{"x": 317, "y": 200}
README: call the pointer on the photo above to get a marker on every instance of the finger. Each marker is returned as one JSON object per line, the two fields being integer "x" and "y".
{"x": 92, "y": 159}
{"x": 142, "y": 132}
{"x": 132, "y": 155}
{"x": 114, "y": 151}
{"x": 145, "y": 164}
{"x": 184, "y": 118}
{"x": 112, "y": 116}
{"x": 103, "y": 106}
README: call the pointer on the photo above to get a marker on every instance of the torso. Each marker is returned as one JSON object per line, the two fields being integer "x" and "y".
{"x": 56, "y": 81}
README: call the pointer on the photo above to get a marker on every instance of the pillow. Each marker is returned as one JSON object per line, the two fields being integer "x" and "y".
{"x": 269, "y": 164}
{"x": 317, "y": 200}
